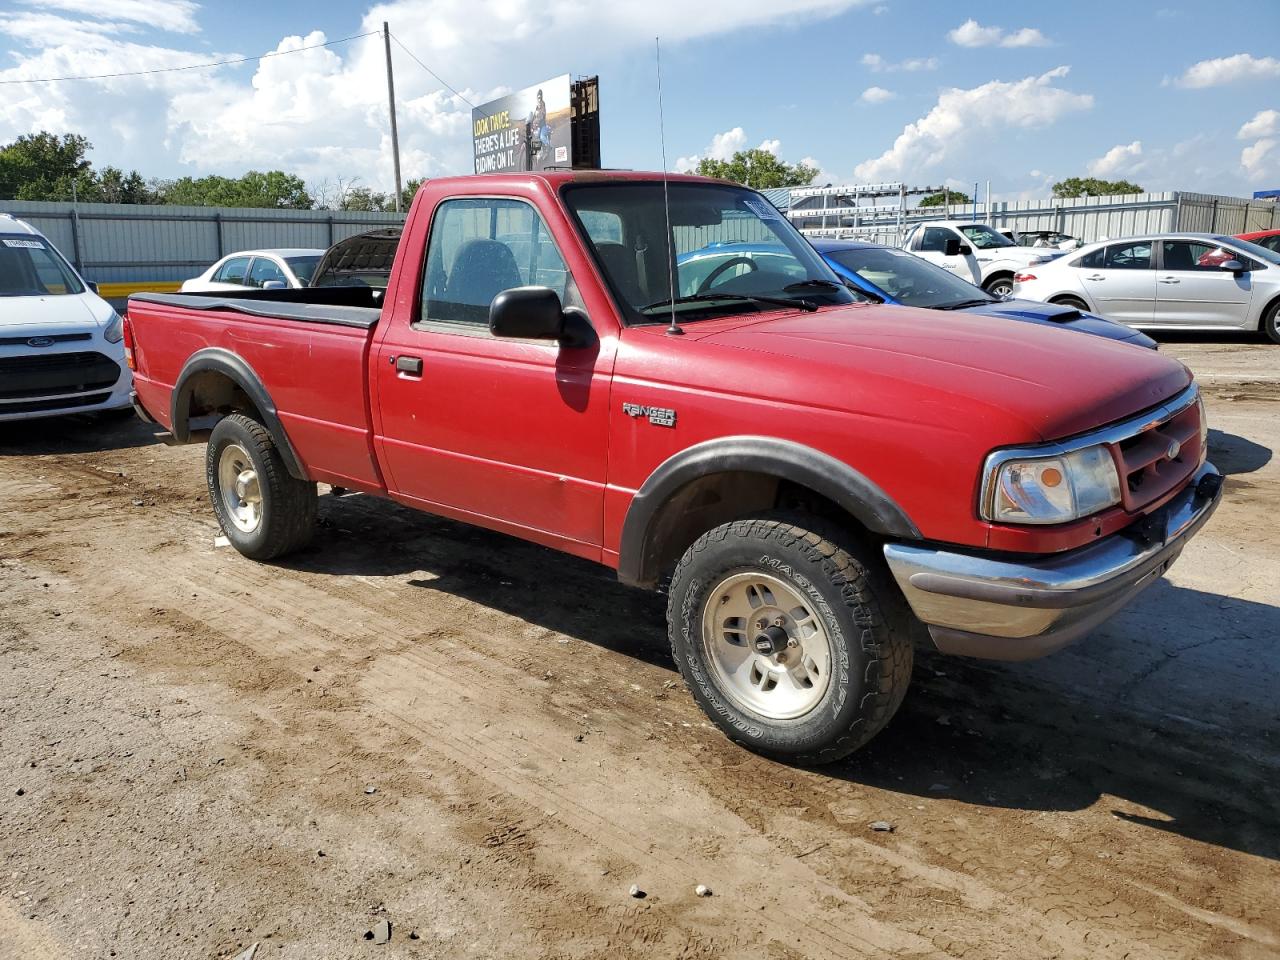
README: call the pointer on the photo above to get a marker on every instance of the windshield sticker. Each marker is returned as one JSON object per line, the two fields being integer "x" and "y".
{"x": 31, "y": 244}
{"x": 763, "y": 209}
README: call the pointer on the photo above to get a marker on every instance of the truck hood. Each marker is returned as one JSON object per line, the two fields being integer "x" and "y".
{"x": 1022, "y": 255}
{"x": 1058, "y": 382}
{"x": 59, "y": 313}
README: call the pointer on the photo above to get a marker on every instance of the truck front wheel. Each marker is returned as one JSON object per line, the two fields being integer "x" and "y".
{"x": 264, "y": 511}
{"x": 792, "y": 639}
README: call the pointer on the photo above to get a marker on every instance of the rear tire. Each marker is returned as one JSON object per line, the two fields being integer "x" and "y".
{"x": 841, "y": 657}
{"x": 264, "y": 511}
{"x": 1073, "y": 302}
{"x": 1271, "y": 322}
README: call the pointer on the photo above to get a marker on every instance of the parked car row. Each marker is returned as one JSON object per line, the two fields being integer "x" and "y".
{"x": 1175, "y": 281}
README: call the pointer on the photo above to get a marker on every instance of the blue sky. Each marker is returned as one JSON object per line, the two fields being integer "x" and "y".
{"x": 1172, "y": 95}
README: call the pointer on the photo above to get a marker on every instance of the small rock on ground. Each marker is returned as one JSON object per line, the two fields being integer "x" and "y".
{"x": 882, "y": 826}
{"x": 382, "y": 931}
{"x": 702, "y": 890}
{"x": 636, "y": 892}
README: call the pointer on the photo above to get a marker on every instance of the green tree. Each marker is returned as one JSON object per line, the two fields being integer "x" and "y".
{"x": 1093, "y": 187}
{"x": 39, "y": 165}
{"x": 274, "y": 189}
{"x": 945, "y": 198}
{"x": 758, "y": 169}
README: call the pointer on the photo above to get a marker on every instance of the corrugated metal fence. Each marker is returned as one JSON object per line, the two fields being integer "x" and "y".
{"x": 1089, "y": 218}
{"x": 155, "y": 247}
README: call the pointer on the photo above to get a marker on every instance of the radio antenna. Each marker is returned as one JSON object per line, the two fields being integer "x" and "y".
{"x": 674, "y": 329}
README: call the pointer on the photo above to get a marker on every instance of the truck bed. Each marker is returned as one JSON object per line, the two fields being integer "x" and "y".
{"x": 309, "y": 347}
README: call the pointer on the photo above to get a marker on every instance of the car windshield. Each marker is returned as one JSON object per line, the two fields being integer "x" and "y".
{"x": 728, "y": 250}
{"x": 1253, "y": 249}
{"x": 985, "y": 238}
{"x": 30, "y": 267}
{"x": 303, "y": 268}
{"x": 907, "y": 278}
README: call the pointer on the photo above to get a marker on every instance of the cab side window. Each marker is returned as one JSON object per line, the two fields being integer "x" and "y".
{"x": 479, "y": 248}
{"x": 934, "y": 239}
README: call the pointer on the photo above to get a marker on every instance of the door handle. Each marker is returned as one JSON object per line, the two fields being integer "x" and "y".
{"x": 410, "y": 365}
{"x": 1170, "y": 280}
{"x": 1095, "y": 276}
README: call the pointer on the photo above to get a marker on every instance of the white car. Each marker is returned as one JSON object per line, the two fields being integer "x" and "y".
{"x": 1173, "y": 281}
{"x": 975, "y": 252}
{"x": 261, "y": 269}
{"x": 61, "y": 345}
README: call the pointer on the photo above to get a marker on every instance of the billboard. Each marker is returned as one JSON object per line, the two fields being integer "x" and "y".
{"x": 526, "y": 130}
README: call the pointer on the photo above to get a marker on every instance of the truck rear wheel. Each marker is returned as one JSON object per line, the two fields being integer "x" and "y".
{"x": 264, "y": 511}
{"x": 793, "y": 640}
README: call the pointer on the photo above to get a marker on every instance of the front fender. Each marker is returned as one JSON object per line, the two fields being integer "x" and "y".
{"x": 769, "y": 456}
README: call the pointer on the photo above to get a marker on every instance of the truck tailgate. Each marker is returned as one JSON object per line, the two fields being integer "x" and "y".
{"x": 311, "y": 361}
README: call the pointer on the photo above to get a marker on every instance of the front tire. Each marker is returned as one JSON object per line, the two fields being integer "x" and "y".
{"x": 264, "y": 512}
{"x": 791, "y": 637}
{"x": 1271, "y": 322}
{"x": 999, "y": 286}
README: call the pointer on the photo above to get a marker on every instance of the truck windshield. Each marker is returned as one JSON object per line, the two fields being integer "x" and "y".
{"x": 907, "y": 278}
{"x": 728, "y": 249}
{"x": 984, "y": 238}
{"x": 30, "y": 267}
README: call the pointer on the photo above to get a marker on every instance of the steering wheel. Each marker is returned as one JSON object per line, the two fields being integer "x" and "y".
{"x": 731, "y": 262}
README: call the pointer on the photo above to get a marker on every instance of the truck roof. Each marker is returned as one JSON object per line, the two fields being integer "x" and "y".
{"x": 557, "y": 178}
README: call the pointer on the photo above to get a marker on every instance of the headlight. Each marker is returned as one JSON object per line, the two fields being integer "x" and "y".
{"x": 113, "y": 332}
{"x": 1054, "y": 489}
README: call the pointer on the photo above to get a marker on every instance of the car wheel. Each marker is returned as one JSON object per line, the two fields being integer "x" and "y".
{"x": 792, "y": 638}
{"x": 999, "y": 286}
{"x": 264, "y": 512}
{"x": 1073, "y": 302}
{"x": 1271, "y": 322}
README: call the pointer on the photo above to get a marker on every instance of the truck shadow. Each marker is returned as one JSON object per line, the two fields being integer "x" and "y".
{"x": 1120, "y": 718}
{"x": 1232, "y": 453}
{"x": 79, "y": 433}
{"x": 1169, "y": 728}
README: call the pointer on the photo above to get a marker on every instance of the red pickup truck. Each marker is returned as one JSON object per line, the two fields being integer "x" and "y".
{"x": 811, "y": 476}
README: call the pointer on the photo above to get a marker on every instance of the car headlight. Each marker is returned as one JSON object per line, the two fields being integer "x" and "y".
{"x": 113, "y": 332}
{"x": 1052, "y": 489}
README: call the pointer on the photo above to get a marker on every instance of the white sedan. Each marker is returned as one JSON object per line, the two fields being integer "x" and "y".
{"x": 1174, "y": 281}
{"x": 258, "y": 269}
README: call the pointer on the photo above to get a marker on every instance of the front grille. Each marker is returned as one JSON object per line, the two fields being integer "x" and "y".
{"x": 52, "y": 338}
{"x": 45, "y": 375}
{"x": 1147, "y": 471}
{"x": 61, "y": 403}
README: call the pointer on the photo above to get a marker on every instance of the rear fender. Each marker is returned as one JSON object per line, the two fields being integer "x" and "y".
{"x": 235, "y": 369}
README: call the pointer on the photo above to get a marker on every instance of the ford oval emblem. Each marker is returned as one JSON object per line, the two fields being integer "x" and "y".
{"x": 1175, "y": 448}
{"x": 40, "y": 342}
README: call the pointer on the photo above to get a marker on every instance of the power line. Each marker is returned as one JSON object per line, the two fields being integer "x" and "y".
{"x": 202, "y": 66}
{"x": 432, "y": 72}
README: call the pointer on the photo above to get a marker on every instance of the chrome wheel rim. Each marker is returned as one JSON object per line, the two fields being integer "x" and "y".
{"x": 239, "y": 488}
{"x": 767, "y": 647}
{"x": 1002, "y": 289}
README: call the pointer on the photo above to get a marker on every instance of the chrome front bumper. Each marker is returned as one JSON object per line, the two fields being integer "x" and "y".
{"x": 1001, "y": 609}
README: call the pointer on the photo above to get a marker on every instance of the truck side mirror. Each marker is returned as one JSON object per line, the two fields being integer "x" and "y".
{"x": 955, "y": 248}
{"x": 527, "y": 313}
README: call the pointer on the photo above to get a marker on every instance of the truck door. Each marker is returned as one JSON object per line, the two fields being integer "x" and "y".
{"x": 945, "y": 247}
{"x": 510, "y": 434}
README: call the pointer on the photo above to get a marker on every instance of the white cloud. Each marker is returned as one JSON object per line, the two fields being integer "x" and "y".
{"x": 723, "y": 146}
{"x": 962, "y": 117}
{"x": 972, "y": 34}
{"x": 1120, "y": 160}
{"x": 1266, "y": 123}
{"x": 1261, "y": 159}
{"x": 876, "y": 95}
{"x": 175, "y": 16}
{"x": 1224, "y": 70}
{"x": 322, "y": 113}
{"x": 878, "y": 64}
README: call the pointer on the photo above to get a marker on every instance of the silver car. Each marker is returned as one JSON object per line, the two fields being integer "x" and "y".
{"x": 1172, "y": 281}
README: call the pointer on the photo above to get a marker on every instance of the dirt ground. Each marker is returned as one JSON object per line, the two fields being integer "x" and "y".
{"x": 486, "y": 744}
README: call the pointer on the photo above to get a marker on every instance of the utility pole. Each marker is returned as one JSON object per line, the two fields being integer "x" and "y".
{"x": 391, "y": 100}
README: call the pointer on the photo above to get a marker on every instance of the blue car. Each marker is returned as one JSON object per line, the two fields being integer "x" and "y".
{"x": 897, "y": 277}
